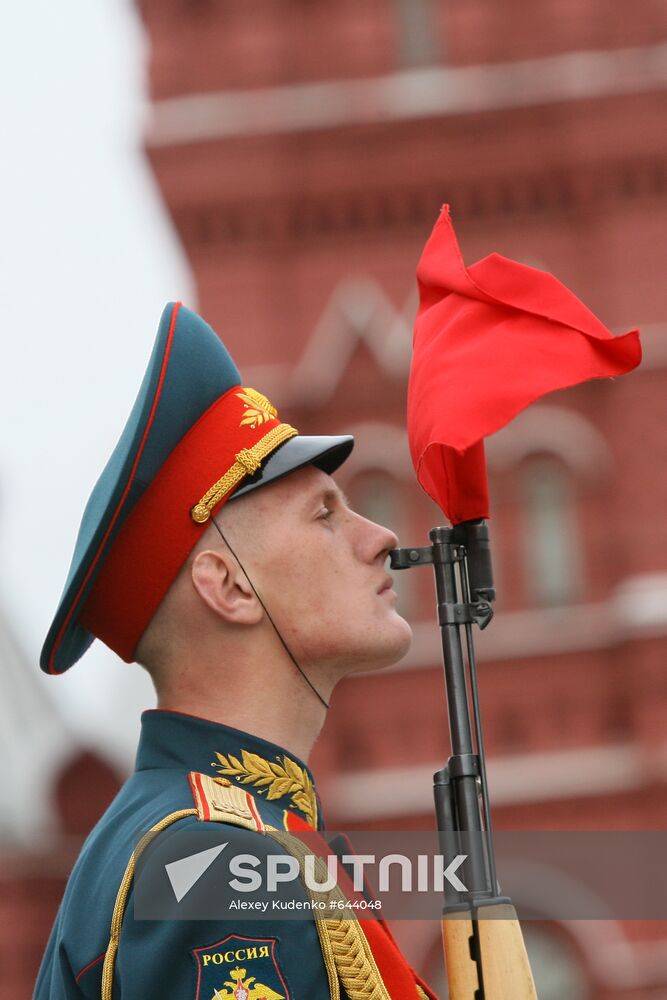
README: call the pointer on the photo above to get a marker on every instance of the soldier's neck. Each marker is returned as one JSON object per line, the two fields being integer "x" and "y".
{"x": 265, "y": 697}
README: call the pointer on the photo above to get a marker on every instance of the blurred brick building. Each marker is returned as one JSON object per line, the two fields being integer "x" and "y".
{"x": 303, "y": 150}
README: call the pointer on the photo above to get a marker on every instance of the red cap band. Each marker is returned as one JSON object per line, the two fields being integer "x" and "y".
{"x": 159, "y": 533}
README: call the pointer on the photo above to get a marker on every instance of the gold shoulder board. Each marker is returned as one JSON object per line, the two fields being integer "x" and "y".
{"x": 217, "y": 800}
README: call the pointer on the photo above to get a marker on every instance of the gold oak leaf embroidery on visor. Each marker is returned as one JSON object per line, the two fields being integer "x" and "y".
{"x": 273, "y": 779}
{"x": 257, "y": 408}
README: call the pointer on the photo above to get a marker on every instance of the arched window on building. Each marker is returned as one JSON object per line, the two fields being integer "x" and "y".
{"x": 549, "y": 531}
{"x": 417, "y": 33}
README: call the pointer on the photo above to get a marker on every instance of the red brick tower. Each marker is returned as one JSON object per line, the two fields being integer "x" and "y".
{"x": 303, "y": 150}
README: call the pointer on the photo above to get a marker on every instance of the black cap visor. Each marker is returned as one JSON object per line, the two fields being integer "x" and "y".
{"x": 326, "y": 453}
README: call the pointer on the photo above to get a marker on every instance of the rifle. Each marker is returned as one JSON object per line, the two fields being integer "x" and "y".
{"x": 485, "y": 955}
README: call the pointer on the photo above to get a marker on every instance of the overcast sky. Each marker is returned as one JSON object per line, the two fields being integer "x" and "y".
{"x": 88, "y": 258}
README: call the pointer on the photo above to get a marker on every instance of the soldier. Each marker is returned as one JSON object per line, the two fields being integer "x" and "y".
{"x": 217, "y": 551}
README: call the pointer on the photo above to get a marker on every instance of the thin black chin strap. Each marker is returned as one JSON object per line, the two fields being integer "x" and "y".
{"x": 266, "y": 612}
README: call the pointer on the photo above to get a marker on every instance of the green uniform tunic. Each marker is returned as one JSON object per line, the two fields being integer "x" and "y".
{"x": 183, "y": 958}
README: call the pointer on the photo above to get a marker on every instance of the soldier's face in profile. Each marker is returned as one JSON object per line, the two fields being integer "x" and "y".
{"x": 320, "y": 568}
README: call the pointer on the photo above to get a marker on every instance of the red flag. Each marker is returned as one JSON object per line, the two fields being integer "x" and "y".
{"x": 489, "y": 340}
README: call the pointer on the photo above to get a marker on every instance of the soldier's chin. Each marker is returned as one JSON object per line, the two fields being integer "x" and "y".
{"x": 392, "y": 648}
{"x": 404, "y": 640}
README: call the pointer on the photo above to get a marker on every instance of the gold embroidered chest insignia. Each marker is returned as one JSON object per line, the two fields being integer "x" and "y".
{"x": 272, "y": 779}
{"x": 257, "y": 408}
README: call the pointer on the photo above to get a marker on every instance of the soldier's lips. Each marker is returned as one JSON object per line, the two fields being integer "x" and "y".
{"x": 386, "y": 585}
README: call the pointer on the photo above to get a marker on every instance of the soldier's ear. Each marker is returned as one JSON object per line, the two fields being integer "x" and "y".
{"x": 224, "y": 588}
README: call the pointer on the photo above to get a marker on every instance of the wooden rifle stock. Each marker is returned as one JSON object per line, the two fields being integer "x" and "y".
{"x": 485, "y": 954}
{"x": 496, "y": 941}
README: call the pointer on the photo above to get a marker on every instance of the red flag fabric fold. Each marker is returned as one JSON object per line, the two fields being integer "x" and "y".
{"x": 488, "y": 341}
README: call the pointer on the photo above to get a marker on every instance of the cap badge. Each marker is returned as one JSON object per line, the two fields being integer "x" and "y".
{"x": 257, "y": 408}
